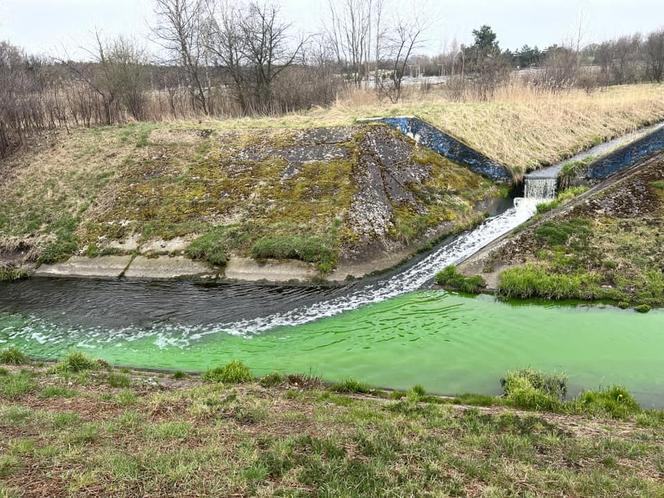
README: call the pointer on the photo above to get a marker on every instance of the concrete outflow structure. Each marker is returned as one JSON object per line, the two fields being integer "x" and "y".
{"x": 448, "y": 146}
{"x": 614, "y": 156}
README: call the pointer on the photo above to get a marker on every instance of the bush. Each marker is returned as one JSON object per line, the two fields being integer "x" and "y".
{"x": 450, "y": 278}
{"x": 77, "y": 362}
{"x": 234, "y": 372}
{"x": 13, "y": 356}
{"x": 615, "y": 401}
{"x": 350, "y": 386}
{"x": 534, "y": 390}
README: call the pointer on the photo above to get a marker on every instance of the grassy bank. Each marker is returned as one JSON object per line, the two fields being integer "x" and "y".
{"x": 264, "y": 188}
{"x": 606, "y": 248}
{"x": 81, "y": 427}
{"x": 210, "y": 194}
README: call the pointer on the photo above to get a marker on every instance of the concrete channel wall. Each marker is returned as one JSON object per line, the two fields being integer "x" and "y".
{"x": 626, "y": 156}
{"x": 448, "y": 146}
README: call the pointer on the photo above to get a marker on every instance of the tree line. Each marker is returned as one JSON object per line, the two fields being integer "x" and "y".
{"x": 222, "y": 58}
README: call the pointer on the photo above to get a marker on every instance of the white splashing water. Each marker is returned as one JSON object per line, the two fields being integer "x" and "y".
{"x": 409, "y": 280}
{"x": 165, "y": 335}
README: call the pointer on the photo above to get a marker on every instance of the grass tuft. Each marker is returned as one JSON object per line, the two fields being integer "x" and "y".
{"x": 615, "y": 401}
{"x": 234, "y": 372}
{"x": 451, "y": 279}
{"x": 75, "y": 362}
{"x": 534, "y": 390}
{"x": 13, "y": 356}
{"x": 350, "y": 386}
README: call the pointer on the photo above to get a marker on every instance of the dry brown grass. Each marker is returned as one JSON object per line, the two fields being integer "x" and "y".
{"x": 522, "y": 127}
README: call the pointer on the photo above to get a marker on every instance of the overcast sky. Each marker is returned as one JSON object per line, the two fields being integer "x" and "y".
{"x": 51, "y": 27}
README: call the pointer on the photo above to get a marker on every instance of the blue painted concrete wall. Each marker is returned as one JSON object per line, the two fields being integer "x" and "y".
{"x": 627, "y": 156}
{"x": 451, "y": 148}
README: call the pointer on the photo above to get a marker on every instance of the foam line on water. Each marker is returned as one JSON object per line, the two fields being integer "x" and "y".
{"x": 409, "y": 280}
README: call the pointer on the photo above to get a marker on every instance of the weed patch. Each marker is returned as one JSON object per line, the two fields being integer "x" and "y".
{"x": 13, "y": 356}
{"x": 451, "y": 279}
{"x": 234, "y": 372}
{"x": 76, "y": 362}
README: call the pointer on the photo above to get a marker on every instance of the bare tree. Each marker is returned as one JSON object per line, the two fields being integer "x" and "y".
{"x": 179, "y": 31}
{"x": 350, "y": 34}
{"x": 254, "y": 47}
{"x": 654, "y": 54}
{"x": 117, "y": 76}
{"x": 402, "y": 40}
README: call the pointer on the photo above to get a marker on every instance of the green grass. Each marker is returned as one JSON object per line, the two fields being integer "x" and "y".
{"x": 350, "y": 386}
{"x": 118, "y": 380}
{"x": 556, "y": 233}
{"x": 17, "y": 385}
{"x": 234, "y": 372}
{"x": 659, "y": 184}
{"x": 12, "y": 273}
{"x": 534, "y": 390}
{"x": 311, "y": 249}
{"x": 211, "y": 247}
{"x": 614, "y": 401}
{"x": 76, "y": 362}
{"x": 562, "y": 198}
{"x": 451, "y": 279}
{"x": 531, "y": 280}
{"x": 13, "y": 356}
{"x": 250, "y": 440}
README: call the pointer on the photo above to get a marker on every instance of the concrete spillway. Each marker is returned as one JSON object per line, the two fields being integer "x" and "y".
{"x": 612, "y": 156}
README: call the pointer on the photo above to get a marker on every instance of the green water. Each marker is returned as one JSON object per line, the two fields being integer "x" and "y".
{"x": 448, "y": 344}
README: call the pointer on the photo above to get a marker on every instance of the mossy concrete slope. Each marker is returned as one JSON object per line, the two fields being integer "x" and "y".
{"x": 326, "y": 197}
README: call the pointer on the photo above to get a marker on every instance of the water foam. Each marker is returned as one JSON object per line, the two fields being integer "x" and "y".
{"x": 165, "y": 335}
{"x": 409, "y": 280}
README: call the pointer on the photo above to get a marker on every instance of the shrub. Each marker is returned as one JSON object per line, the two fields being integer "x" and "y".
{"x": 179, "y": 374}
{"x": 659, "y": 184}
{"x": 418, "y": 390}
{"x": 450, "y": 278}
{"x": 234, "y": 372}
{"x": 13, "y": 356}
{"x": 350, "y": 386}
{"x": 615, "y": 401}
{"x": 77, "y": 362}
